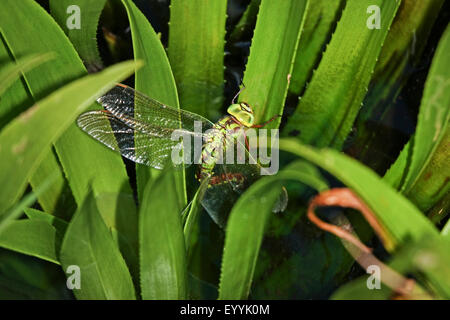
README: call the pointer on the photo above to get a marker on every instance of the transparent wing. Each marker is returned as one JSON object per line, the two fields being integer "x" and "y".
{"x": 125, "y": 102}
{"x": 138, "y": 127}
{"x": 219, "y": 197}
{"x": 243, "y": 164}
{"x": 246, "y": 163}
{"x": 232, "y": 178}
{"x": 133, "y": 144}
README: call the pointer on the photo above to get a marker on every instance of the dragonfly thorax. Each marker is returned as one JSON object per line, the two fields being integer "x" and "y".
{"x": 242, "y": 112}
{"x": 226, "y": 130}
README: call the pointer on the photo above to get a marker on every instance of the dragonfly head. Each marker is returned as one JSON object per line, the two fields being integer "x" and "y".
{"x": 242, "y": 112}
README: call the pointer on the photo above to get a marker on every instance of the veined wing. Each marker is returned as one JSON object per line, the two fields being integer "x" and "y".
{"x": 125, "y": 102}
{"x": 139, "y": 127}
{"x": 246, "y": 169}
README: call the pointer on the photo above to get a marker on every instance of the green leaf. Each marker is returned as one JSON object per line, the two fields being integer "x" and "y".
{"x": 20, "y": 146}
{"x": 440, "y": 210}
{"x": 396, "y": 174}
{"x": 191, "y": 217}
{"x": 14, "y": 98}
{"x": 421, "y": 171}
{"x": 358, "y": 290}
{"x": 320, "y": 21}
{"x": 272, "y": 55}
{"x": 37, "y": 215}
{"x": 446, "y": 230}
{"x": 162, "y": 250}
{"x": 434, "y": 182}
{"x": 428, "y": 259}
{"x": 399, "y": 218}
{"x": 241, "y": 249}
{"x": 407, "y": 36}
{"x": 305, "y": 173}
{"x": 50, "y": 200}
{"x": 401, "y": 53}
{"x": 89, "y": 245}
{"x": 122, "y": 219}
{"x": 251, "y": 212}
{"x": 27, "y": 201}
{"x": 34, "y": 238}
{"x": 77, "y": 152}
{"x": 13, "y": 102}
{"x": 155, "y": 80}
{"x": 247, "y": 20}
{"x": 11, "y": 72}
{"x": 85, "y": 38}
{"x": 196, "y": 54}
{"x": 327, "y": 110}
{"x": 42, "y": 38}
{"x": 434, "y": 114}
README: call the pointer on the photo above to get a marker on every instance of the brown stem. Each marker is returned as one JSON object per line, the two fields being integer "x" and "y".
{"x": 344, "y": 197}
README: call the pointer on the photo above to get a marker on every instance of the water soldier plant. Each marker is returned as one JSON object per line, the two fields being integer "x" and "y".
{"x": 357, "y": 89}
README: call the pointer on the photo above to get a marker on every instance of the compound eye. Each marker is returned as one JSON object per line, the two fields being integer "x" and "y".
{"x": 245, "y": 107}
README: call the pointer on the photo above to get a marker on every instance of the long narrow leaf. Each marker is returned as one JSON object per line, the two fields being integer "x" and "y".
{"x": 162, "y": 250}
{"x": 251, "y": 212}
{"x": 272, "y": 55}
{"x": 327, "y": 110}
{"x": 88, "y": 244}
{"x": 320, "y": 21}
{"x": 59, "y": 224}
{"x": 27, "y": 201}
{"x": 155, "y": 80}
{"x": 12, "y": 72}
{"x": 400, "y": 56}
{"x": 196, "y": 53}
{"x": 83, "y": 36}
{"x": 77, "y": 152}
{"x": 20, "y": 146}
{"x": 434, "y": 113}
{"x": 421, "y": 170}
{"x": 241, "y": 246}
{"x": 399, "y": 217}
{"x": 34, "y": 238}
{"x": 247, "y": 20}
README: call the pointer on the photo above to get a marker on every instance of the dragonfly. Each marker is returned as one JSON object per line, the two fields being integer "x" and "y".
{"x": 141, "y": 130}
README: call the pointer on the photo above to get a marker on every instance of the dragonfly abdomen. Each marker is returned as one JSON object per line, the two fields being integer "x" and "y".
{"x": 210, "y": 156}
{"x": 227, "y": 177}
{"x": 215, "y": 146}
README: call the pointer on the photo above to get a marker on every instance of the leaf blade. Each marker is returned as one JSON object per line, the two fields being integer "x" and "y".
{"x": 401, "y": 219}
{"x": 197, "y": 56}
{"x": 85, "y": 38}
{"x": 251, "y": 212}
{"x": 162, "y": 250}
{"x": 34, "y": 238}
{"x": 325, "y": 114}
{"x": 267, "y": 90}
{"x": 30, "y": 149}
{"x": 89, "y": 245}
{"x": 155, "y": 80}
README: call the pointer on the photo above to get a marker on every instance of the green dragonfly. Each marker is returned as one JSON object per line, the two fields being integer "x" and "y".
{"x": 141, "y": 129}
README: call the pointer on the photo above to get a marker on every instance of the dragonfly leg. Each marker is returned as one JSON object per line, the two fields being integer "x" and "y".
{"x": 237, "y": 130}
{"x": 266, "y": 123}
{"x": 246, "y": 142}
